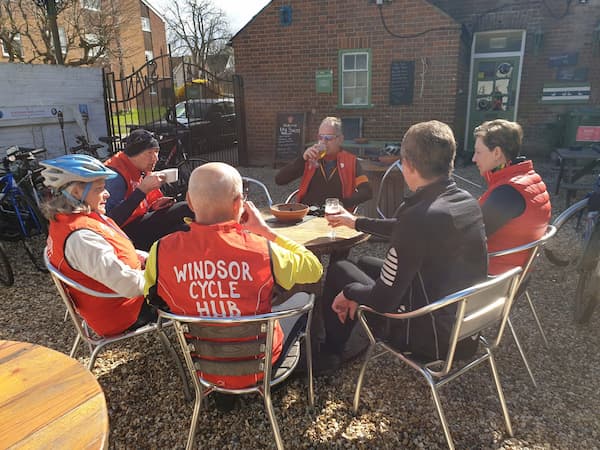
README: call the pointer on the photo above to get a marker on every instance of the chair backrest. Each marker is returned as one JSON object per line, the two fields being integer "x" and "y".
{"x": 479, "y": 309}
{"x": 383, "y": 190}
{"x": 292, "y": 196}
{"x": 244, "y": 346}
{"x": 482, "y": 307}
{"x": 62, "y": 283}
{"x": 248, "y": 181}
{"x": 533, "y": 247}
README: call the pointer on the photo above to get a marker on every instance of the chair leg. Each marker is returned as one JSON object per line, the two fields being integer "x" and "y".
{"x": 361, "y": 377}
{"x": 440, "y": 411}
{"x": 272, "y": 418}
{"x": 171, "y": 351}
{"x": 500, "y": 393}
{"x": 194, "y": 424}
{"x": 311, "y": 387}
{"x": 93, "y": 356}
{"x": 523, "y": 357}
{"x": 537, "y": 320}
{"x": 75, "y": 345}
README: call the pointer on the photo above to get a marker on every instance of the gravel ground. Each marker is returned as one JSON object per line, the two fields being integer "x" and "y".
{"x": 147, "y": 408}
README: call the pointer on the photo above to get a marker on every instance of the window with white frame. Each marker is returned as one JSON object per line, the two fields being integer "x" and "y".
{"x": 355, "y": 80}
{"x": 146, "y": 24}
{"x": 16, "y": 46}
{"x": 93, "y": 5}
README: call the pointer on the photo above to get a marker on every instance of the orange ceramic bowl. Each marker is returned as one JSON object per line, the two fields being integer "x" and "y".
{"x": 289, "y": 212}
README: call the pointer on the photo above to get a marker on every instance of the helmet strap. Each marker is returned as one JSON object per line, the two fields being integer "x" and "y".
{"x": 74, "y": 199}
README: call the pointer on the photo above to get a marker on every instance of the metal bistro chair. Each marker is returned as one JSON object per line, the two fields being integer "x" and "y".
{"x": 254, "y": 355}
{"x": 480, "y": 309}
{"x": 397, "y": 165}
{"x": 248, "y": 181}
{"x": 97, "y": 343}
{"x": 533, "y": 248}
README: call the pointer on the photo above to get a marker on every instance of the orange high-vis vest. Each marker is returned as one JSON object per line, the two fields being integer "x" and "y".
{"x": 106, "y": 316}
{"x": 217, "y": 271}
{"x": 529, "y": 226}
{"x": 133, "y": 177}
{"x": 346, "y": 166}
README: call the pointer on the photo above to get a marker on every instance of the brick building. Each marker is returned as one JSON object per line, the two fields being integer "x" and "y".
{"x": 408, "y": 61}
{"x": 139, "y": 34}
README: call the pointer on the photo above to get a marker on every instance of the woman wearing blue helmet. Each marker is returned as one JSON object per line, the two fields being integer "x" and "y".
{"x": 90, "y": 248}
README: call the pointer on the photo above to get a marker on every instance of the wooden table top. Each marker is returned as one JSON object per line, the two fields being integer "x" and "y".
{"x": 48, "y": 400}
{"x": 313, "y": 233}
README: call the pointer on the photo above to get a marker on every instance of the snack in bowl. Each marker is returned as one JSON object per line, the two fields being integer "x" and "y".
{"x": 289, "y": 212}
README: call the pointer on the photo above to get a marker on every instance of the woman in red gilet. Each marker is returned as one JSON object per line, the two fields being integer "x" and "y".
{"x": 516, "y": 206}
{"x": 90, "y": 248}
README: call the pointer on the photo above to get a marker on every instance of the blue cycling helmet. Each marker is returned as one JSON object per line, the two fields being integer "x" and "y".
{"x": 69, "y": 168}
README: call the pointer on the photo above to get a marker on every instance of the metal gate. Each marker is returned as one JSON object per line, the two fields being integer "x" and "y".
{"x": 179, "y": 101}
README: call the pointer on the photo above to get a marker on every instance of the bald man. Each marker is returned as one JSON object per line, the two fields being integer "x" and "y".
{"x": 222, "y": 268}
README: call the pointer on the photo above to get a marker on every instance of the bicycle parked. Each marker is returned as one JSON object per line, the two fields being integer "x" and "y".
{"x": 20, "y": 216}
{"x": 581, "y": 242}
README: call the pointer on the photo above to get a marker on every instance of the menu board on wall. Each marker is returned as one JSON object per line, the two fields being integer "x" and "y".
{"x": 402, "y": 80}
{"x": 289, "y": 135}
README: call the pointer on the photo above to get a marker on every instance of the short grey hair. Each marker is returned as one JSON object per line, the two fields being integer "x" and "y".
{"x": 60, "y": 204}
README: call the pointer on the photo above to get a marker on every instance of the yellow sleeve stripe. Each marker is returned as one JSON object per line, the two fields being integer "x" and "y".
{"x": 361, "y": 179}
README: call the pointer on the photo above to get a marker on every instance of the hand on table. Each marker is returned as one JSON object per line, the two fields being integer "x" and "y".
{"x": 344, "y": 307}
{"x": 343, "y": 218}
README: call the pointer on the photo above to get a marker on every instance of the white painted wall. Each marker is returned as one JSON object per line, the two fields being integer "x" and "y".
{"x": 31, "y": 95}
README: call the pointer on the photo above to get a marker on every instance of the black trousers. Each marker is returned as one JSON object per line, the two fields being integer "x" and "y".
{"x": 340, "y": 274}
{"x": 153, "y": 225}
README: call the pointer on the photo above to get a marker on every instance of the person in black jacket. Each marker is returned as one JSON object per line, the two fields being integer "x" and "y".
{"x": 438, "y": 246}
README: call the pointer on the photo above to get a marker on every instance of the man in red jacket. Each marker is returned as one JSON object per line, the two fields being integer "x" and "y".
{"x": 136, "y": 202}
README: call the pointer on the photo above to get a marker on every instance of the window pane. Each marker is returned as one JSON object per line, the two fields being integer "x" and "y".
{"x": 361, "y": 96}
{"x": 362, "y": 79}
{"x": 361, "y": 61}
{"x": 349, "y": 62}
{"x": 349, "y": 79}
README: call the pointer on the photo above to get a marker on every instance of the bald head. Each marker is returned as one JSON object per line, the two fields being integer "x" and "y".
{"x": 214, "y": 193}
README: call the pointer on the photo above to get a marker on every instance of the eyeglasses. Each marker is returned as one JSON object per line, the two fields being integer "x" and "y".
{"x": 327, "y": 137}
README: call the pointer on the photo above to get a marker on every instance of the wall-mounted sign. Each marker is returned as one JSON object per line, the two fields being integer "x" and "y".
{"x": 402, "y": 80}
{"x": 572, "y": 74}
{"x": 324, "y": 81}
{"x": 566, "y": 93}
{"x": 289, "y": 135}
{"x": 565, "y": 59}
{"x": 588, "y": 134}
{"x": 28, "y": 112}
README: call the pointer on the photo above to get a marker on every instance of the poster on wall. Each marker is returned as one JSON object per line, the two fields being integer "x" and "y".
{"x": 289, "y": 136}
{"x": 566, "y": 93}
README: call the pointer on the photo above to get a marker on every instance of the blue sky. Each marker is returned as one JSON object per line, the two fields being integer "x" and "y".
{"x": 239, "y": 12}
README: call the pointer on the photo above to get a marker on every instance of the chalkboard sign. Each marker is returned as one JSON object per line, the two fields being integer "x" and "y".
{"x": 402, "y": 80}
{"x": 289, "y": 136}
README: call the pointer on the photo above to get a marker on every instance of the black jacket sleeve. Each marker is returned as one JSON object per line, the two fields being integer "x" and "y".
{"x": 290, "y": 172}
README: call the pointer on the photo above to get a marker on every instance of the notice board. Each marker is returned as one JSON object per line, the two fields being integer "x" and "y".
{"x": 402, "y": 81}
{"x": 289, "y": 135}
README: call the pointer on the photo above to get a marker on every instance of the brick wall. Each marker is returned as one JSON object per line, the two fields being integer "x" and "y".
{"x": 278, "y": 65}
{"x": 572, "y": 33}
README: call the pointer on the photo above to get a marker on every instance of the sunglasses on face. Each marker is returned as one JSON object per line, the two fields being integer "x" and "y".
{"x": 327, "y": 137}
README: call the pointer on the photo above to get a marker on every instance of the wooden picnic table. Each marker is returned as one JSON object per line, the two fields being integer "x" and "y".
{"x": 574, "y": 164}
{"x": 48, "y": 400}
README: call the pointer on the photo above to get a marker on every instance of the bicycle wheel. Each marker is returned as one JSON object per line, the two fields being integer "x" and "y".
{"x": 7, "y": 277}
{"x": 588, "y": 285}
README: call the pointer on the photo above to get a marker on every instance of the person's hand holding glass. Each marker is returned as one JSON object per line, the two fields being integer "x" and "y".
{"x": 342, "y": 218}
{"x": 315, "y": 153}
